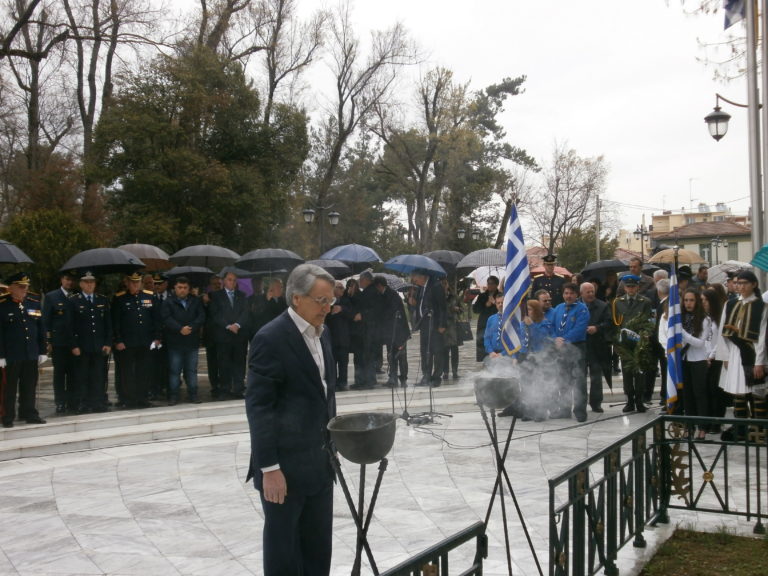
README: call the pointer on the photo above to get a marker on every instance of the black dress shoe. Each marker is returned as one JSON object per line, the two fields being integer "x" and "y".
{"x": 628, "y": 408}
{"x": 7, "y": 424}
{"x": 35, "y": 420}
{"x": 640, "y": 407}
{"x": 597, "y": 409}
{"x": 61, "y": 409}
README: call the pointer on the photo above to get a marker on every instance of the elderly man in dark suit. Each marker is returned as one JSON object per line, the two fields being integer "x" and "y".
{"x": 430, "y": 310}
{"x": 290, "y": 399}
{"x": 598, "y": 348}
{"x": 230, "y": 314}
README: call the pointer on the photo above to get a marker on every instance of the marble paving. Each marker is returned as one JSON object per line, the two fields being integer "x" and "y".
{"x": 181, "y": 507}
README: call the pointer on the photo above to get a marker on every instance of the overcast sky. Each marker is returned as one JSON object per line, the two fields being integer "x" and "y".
{"x": 617, "y": 78}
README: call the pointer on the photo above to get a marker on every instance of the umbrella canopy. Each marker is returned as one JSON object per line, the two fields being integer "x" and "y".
{"x": 407, "y": 263}
{"x": 154, "y": 258}
{"x": 242, "y": 273}
{"x": 395, "y": 282}
{"x": 206, "y": 255}
{"x": 480, "y": 275}
{"x": 12, "y": 254}
{"x": 761, "y": 258}
{"x": 683, "y": 257}
{"x": 446, "y": 258}
{"x": 719, "y": 273}
{"x": 104, "y": 261}
{"x": 484, "y": 257}
{"x": 269, "y": 260}
{"x": 600, "y": 268}
{"x": 352, "y": 254}
{"x": 335, "y": 268}
{"x": 198, "y": 275}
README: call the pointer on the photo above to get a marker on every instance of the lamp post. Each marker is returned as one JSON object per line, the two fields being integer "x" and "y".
{"x": 716, "y": 243}
{"x": 333, "y": 220}
{"x": 461, "y": 234}
{"x": 642, "y": 233}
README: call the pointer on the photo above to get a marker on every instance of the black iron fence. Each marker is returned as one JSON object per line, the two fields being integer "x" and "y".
{"x": 434, "y": 561}
{"x": 603, "y": 503}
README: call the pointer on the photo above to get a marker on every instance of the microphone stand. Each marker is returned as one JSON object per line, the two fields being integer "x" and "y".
{"x": 429, "y": 417}
{"x": 393, "y": 357}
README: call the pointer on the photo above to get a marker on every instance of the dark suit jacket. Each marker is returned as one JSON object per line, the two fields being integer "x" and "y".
{"x": 432, "y": 300}
{"x": 175, "y": 317}
{"x": 600, "y": 316}
{"x": 288, "y": 412}
{"x": 57, "y": 318}
{"x": 92, "y": 323}
{"x": 223, "y": 314}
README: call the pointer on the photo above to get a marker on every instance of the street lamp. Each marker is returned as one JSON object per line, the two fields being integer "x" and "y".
{"x": 642, "y": 233}
{"x": 461, "y": 234}
{"x": 716, "y": 243}
{"x": 333, "y": 220}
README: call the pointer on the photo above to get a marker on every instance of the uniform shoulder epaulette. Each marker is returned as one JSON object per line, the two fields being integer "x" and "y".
{"x": 148, "y": 292}
{"x": 559, "y": 275}
{"x": 121, "y": 293}
{"x": 4, "y": 297}
{"x": 35, "y": 297}
{"x": 539, "y": 275}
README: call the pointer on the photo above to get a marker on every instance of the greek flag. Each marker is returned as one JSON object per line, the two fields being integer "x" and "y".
{"x": 516, "y": 285}
{"x": 674, "y": 342}
{"x": 734, "y": 12}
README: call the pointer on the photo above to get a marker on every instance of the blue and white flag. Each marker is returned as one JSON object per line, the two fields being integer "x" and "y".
{"x": 516, "y": 285}
{"x": 735, "y": 11}
{"x": 674, "y": 342}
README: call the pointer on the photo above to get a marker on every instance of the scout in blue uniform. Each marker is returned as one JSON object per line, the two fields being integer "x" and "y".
{"x": 136, "y": 326}
{"x": 91, "y": 345}
{"x": 22, "y": 348}
{"x": 57, "y": 318}
{"x": 549, "y": 281}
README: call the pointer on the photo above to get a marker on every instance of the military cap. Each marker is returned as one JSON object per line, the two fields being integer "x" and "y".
{"x": 20, "y": 278}
{"x": 685, "y": 271}
{"x": 87, "y": 275}
{"x": 70, "y": 274}
{"x": 630, "y": 279}
{"x": 159, "y": 278}
{"x": 135, "y": 277}
{"x": 549, "y": 259}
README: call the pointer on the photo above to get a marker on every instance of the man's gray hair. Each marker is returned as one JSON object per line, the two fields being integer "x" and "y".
{"x": 660, "y": 274}
{"x": 302, "y": 280}
{"x": 662, "y": 286}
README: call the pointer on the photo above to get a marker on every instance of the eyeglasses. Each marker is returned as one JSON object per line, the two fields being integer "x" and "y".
{"x": 323, "y": 301}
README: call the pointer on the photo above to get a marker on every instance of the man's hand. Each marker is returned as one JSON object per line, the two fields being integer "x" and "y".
{"x": 591, "y": 329}
{"x": 75, "y": 351}
{"x": 186, "y": 330}
{"x": 234, "y": 328}
{"x": 758, "y": 371}
{"x": 559, "y": 342}
{"x": 106, "y": 350}
{"x": 274, "y": 487}
{"x": 358, "y": 317}
{"x": 441, "y": 330}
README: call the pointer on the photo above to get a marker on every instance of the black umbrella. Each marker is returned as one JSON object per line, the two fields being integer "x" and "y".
{"x": 600, "y": 268}
{"x": 206, "y": 255}
{"x": 103, "y": 261}
{"x": 446, "y": 258}
{"x": 395, "y": 282}
{"x": 197, "y": 275}
{"x": 153, "y": 257}
{"x": 335, "y": 268}
{"x": 12, "y": 254}
{"x": 269, "y": 260}
{"x": 242, "y": 273}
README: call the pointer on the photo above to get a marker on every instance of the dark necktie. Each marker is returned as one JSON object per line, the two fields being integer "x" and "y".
{"x": 231, "y": 296}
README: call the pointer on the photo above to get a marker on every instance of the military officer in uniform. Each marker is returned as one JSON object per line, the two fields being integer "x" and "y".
{"x": 91, "y": 344}
{"x": 57, "y": 318}
{"x": 625, "y": 308}
{"x": 136, "y": 326}
{"x": 549, "y": 281}
{"x": 22, "y": 349}
{"x": 159, "y": 356}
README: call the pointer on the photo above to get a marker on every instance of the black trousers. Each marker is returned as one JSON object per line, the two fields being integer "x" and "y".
{"x": 298, "y": 535}
{"x": 634, "y": 385}
{"x": 64, "y": 376}
{"x": 211, "y": 359}
{"x": 397, "y": 358}
{"x": 133, "y": 374}
{"x": 451, "y": 359}
{"x": 91, "y": 367}
{"x": 341, "y": 356}
{"x": 696, "y": 393}
{"x": 231, "y": 358}
{"x": 21, "y": 378}
{"x": 595, "y": 364}
{"x": 159, "y": 364}
{"x": 431, "y": 344}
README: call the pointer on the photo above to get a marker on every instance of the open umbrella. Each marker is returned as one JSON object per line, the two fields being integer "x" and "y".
{"x": 718, "y": 273}
{"x": 269, "y": 260}
{"x": 197, "y": 275}
{"x": 154, "y": 258}
{"x": 206, "y": 255}
{"x": 683, "y": 257}
{"x": 395, "y": 282}
{"x": 12, "y": 254}
{"x": 600, "y": 268}
{"x": 761, "y": 258}
{"x": 480, "y": 275}
{"x": 104, "y": 261}
{"x": 352, "y": 254}
{"x": 484, "y": 257}
{"x": 446, "y": 258}
{"x": 335, "y": 268}
{"x": 407, "y": 263}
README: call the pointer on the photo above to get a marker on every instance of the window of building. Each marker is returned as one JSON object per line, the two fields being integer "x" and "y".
{"x": 733, "y": 250}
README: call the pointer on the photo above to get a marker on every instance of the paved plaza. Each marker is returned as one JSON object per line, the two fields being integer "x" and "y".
{"x": 179, "y": 506}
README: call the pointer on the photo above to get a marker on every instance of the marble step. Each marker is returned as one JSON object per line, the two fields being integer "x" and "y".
{"x": 119, "y": 428}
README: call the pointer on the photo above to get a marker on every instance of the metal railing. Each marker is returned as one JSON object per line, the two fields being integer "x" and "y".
{"x": 603, "y": 503}
{"x": 434, "y": 560}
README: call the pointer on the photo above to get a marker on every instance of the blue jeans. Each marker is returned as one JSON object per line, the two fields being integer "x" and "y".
{"x": 182, "y": 359}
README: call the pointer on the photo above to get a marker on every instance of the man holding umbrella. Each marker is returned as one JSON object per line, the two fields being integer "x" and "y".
{"x": 22, "y": 349}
